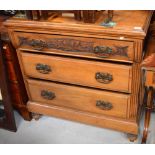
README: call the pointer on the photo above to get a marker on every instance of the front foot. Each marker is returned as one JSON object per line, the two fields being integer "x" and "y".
{"x": 132, "y": 137}
{"x": 36, "y": 116}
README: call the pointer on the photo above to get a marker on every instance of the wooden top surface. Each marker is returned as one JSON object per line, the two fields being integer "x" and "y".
{"x": 128, "y": 23}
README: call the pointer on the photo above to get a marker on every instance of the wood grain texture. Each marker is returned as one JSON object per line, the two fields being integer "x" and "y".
{"x": 150, "y": 80}
{"x": 76, "y": 71}
{"x": 79, "y": 98}
{"x": 7, "y": 120}
{"x": 17, "y": 88}
{"x": 148, "y": 109}
{"x": 148, "y": 69}
{"x": 74, "y": 115}
{"x": 76, "y": 46}
{"x": 127, "y": 22}
{"x": 61, "y": 43}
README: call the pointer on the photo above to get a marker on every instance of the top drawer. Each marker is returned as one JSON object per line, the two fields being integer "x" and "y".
{"x": 117, "y": 50}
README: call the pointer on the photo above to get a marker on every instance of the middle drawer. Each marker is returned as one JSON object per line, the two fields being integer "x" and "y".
{"x": 75, "y": 71}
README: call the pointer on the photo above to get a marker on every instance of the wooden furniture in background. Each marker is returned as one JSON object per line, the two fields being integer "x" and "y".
{"x": 7, "y": 120}
{"x": 86, "y": 16}
{"x": 84, "y": 72}
{"x": 16, "y": 84}
{"x": 150, "y": 86}
{"x": 148, "y": 67}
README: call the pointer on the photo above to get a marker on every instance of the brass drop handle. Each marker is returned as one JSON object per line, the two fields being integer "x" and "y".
{"x": 105, "y": 78}
{"x": 38, "y": 44}
{"x": 48, "y": 95}
{"x": 104, "y": 105}
{"x": 103, "y": 51}
{"x": 43, "y": 68}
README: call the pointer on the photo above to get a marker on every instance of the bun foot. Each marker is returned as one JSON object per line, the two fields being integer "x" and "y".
{"x": 36, "y": 116}
{"x": 132, "y": 137}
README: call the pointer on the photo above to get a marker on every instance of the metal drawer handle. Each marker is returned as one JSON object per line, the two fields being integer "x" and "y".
{"x": 43, "y": 68}
{"x": 47, "y": 94}
{"x": 103, "y": 51}
{"x": 104, "y": 105}
{"x": 38, "y": 44}
{"x": 103, "y": 77}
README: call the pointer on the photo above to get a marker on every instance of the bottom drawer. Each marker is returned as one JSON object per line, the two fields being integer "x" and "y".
{"x": 79, "y": 98}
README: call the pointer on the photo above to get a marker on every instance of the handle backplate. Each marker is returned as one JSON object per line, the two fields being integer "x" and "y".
{"x": 104, "y": 105}
{"x": 38, "y": 44}
{"x": 43, "y": 68}
{"x": 105, "y": 78}
{"x": 103, "y": 51}
{"x": 47, "y": 95}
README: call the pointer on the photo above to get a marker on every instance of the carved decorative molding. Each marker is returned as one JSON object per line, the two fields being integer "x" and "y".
{"x": 64, "y": 44}
{"x": 73, "y": 45}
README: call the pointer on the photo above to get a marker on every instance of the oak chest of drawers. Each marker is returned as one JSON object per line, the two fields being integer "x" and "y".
{"x": 84, "y": 72}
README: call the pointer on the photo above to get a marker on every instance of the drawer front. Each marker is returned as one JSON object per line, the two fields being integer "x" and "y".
{"x": 75, "y": 71}
{"x": 83, "y": 99}
{"x": 77, "y": 46}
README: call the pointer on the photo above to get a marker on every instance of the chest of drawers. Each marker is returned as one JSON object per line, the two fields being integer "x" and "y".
{"x": 84, "y": 72}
